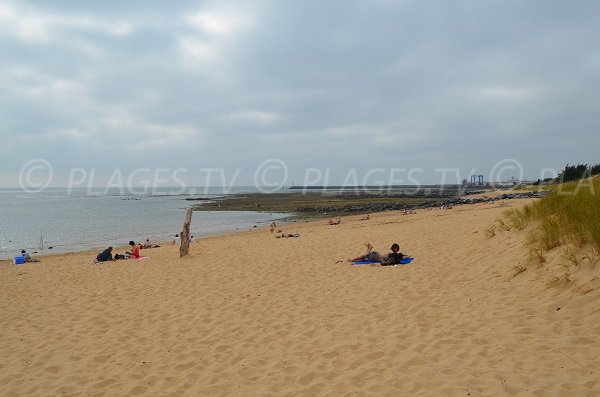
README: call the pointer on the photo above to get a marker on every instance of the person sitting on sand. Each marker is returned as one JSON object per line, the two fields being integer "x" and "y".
{"x": 135, "y": 250}
{"x": 393, "y": 257}
{"x": 148, "y": 245}
{"x": 27, "y": 257}
{"x": 105, "y": 256}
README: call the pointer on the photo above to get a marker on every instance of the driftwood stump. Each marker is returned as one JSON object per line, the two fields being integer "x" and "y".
{"x": 184, "y": 249}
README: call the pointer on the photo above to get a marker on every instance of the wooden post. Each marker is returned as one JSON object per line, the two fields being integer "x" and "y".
{"x": 185, "y": 234}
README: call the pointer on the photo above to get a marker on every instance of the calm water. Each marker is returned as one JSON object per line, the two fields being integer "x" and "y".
{"x": 78, "y": 220}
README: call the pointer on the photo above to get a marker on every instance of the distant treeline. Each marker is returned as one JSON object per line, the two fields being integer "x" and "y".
{"x": 573, "y": 173}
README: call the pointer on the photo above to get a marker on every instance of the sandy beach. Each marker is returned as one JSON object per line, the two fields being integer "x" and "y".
{"x": 247, "y": 314}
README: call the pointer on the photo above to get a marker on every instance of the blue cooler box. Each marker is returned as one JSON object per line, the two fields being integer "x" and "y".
{"x": 19, "y": 260}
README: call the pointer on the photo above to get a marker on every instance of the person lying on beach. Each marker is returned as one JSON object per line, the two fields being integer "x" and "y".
{"x": 366, "y": 218}
{"x": 105, "y": 256}
{"x": 148, "y": 245}
{"x": 393, "y": 257}
{"x": 28, "y": 258}
{"x": 135, "y": 250}
{"x": 335, "y": 221}
{"x": 288, "y": 235}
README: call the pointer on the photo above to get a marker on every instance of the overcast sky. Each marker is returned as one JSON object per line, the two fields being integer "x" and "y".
{"x": 318, "y": 84}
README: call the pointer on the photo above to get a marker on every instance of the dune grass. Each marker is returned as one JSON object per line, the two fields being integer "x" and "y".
{"x": 570, "y": 215}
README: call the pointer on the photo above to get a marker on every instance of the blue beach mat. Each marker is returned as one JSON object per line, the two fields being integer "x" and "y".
{"x": 365, "y": 263}
{"x": 404, "y": 261}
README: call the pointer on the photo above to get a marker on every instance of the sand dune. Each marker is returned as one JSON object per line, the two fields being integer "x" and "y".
{"x": 251, "y": 315}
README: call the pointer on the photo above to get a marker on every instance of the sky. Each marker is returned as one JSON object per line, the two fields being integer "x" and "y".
{"x": 319, "y": 92}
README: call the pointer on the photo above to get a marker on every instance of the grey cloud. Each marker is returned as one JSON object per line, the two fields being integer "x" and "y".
{"x": 335, "y": 85}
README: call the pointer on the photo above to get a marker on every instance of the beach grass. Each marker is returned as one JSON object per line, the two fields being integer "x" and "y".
{"x": 569, "y": 216}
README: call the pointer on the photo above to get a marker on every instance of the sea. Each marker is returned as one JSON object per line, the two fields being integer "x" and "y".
{"x": 70, "y": 220}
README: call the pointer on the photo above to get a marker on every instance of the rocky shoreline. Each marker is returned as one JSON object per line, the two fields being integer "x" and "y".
{"x": 308, "y": 205}
{"x": 380, "y": 207}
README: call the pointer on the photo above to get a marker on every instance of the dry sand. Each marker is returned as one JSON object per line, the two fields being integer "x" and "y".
{"x": 251, "y": 315}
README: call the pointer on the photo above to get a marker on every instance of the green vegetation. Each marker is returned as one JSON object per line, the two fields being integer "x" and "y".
{"x": 544, "y": 182}
{"x": 571, "y": 173}
{"x": 574, "y": 172}
{"x": 570, "y": 216}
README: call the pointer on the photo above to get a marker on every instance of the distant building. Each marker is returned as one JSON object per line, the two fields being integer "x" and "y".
{"x": 477, "y": 180}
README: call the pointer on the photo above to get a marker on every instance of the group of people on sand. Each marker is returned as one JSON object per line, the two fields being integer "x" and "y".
{"x": 280, "y": 234}
{"x": 177, "y": 240}
{"x": 133, "y": 253}
{"x": 288, "y": 235}
{"x": 391, "y": 258}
